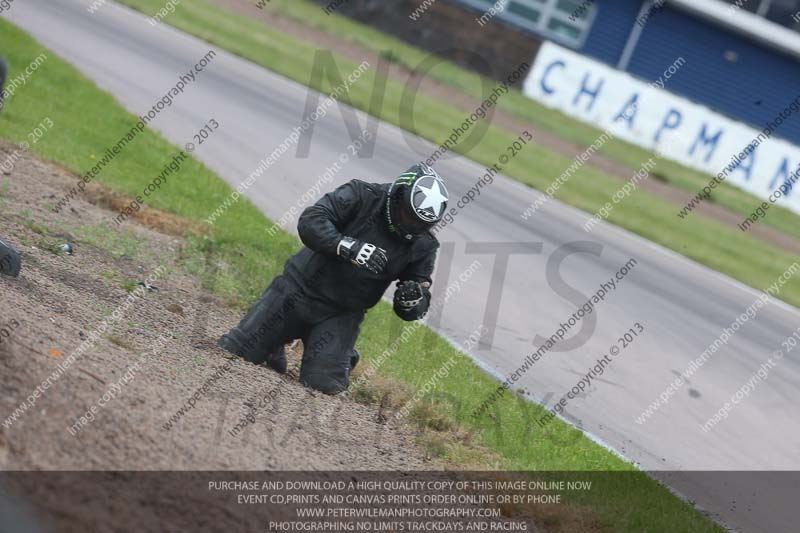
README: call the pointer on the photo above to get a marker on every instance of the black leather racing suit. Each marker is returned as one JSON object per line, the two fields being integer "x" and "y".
{"x": 322, "y": 298}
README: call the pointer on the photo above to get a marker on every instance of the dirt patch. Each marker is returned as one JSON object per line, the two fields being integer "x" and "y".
{"x": 167, "y": 334}
{"x": 168, "y": 223}
{"x": 143, "y": 457}
{"x": 351, "y": 50}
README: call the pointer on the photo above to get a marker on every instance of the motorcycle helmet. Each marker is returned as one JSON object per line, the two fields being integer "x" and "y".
{"x": 416, "y": 202}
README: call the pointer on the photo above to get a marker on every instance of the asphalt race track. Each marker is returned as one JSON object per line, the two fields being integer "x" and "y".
{"x": 681, "y": 305}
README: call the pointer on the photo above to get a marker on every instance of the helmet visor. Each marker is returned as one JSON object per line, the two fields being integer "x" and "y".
{"x": 410, "y": 222}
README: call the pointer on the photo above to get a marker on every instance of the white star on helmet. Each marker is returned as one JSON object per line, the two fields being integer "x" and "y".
{"x": 433, "y": 198}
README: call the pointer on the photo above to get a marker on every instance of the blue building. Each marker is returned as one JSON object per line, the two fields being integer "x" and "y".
{"x": 742, "y": 56}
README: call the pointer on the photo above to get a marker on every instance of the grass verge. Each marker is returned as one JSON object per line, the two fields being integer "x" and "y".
{"x": 86, "y": 119}
{"x": 708, "y": 242}
{"x": 566, "y": 127}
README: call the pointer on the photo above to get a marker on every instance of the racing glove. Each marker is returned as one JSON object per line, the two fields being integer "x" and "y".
{"x": 411, "y": 300}
{"x": 362, "y": 254}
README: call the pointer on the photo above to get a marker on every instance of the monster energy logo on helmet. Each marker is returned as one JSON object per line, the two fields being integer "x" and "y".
{"x": 416, "y": 201}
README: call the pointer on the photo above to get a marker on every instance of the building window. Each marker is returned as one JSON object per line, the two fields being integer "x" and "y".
{"x": 783, "y": 12}
{"x": 565, "y": 21}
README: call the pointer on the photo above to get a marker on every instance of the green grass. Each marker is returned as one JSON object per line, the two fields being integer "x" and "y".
{"x": 516, "y": 103}
{"x": 116, "y": 245}
{"x": 710, "y": 243}
{"x": 87, "y": 119}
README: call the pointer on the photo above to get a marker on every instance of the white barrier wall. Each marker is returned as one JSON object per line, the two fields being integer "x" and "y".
{"x": 680, "y": 129}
